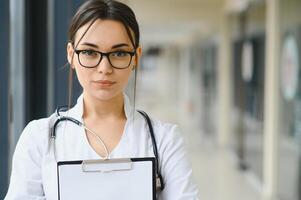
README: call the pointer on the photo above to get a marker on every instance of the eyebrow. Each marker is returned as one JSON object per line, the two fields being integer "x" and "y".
{"x": 113, "y": 47}
{"x": 90, "y": 44}
{"x": 119, "y": 45}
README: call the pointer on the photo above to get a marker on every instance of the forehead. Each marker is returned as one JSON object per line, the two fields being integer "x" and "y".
{"x": 103, "y": 33}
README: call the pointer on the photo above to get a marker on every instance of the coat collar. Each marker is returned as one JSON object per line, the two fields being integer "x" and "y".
{"x": 78, "y": 110}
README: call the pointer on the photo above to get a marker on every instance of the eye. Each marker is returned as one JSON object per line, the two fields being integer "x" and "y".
{"x": 119, "y": 54}
{"x": 89, "y": 53}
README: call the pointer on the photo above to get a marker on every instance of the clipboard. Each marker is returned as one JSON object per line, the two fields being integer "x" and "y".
{"x": 126, "y": 178}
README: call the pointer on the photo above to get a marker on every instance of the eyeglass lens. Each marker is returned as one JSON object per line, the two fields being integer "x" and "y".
{"x": 119, "y": 59}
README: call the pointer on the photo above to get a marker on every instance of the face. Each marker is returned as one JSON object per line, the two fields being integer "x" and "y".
{"x": 103, "y": 82}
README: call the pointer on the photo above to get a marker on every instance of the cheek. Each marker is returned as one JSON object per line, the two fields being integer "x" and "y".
{"x": 124, "y": 77}
{"x": 82, "y": 76}
{"x": 82, "y": 73}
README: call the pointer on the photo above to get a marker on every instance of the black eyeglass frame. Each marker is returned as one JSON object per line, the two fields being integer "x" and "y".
{"x": 107, "y": 54}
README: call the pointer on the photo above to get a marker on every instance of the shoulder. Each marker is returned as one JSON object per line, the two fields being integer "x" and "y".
{"x": 166, "y": 134}
{"x": 161, "y": 129}
{"x": 39, "y": 127}
{"x": 165, "y": 129}
{"x": 36, "y": 133}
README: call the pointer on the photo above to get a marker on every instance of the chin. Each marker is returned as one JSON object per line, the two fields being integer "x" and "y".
{"x": 105, "y": 95}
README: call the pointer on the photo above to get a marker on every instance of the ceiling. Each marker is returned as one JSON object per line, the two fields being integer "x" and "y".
{"x": 169, "y": 21}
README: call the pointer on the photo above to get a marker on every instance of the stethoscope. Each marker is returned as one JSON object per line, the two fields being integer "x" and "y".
{"x": 61, "y": 118}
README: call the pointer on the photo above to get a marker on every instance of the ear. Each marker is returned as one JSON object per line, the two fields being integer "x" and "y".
{"x": 70, "y": 53}
{"x": 137, "y": 57}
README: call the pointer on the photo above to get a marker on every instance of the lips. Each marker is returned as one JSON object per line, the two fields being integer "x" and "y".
{"x": 104, "y": 83}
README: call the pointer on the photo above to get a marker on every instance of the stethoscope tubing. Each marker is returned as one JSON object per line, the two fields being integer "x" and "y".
{"x": 61, "y": 118}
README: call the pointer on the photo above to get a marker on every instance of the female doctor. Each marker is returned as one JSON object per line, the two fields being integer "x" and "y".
{"x": 103, "y": 50}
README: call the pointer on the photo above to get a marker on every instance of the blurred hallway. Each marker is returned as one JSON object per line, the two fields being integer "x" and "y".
{"x": 215, "y": 168}
{"x": 217, "y": 174}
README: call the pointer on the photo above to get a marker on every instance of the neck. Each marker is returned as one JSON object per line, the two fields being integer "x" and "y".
{"x": 103, "y": 109}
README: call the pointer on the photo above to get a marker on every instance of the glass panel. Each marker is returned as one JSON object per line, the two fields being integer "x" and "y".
{"x": 289, "y": 168}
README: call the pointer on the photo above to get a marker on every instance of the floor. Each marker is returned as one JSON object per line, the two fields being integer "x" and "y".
{"x": 216, "y": 173}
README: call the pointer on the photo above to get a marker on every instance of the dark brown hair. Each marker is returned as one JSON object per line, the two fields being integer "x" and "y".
{"x": 92, "y": 10}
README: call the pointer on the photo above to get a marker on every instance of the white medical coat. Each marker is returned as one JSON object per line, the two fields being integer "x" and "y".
{"x": 34, "y": 169}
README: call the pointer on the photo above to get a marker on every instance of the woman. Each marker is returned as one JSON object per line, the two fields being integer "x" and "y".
{"x": 103, "y": 50}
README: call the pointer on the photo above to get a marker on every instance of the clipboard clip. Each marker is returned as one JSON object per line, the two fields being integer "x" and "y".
{"x": 106, "y": 166}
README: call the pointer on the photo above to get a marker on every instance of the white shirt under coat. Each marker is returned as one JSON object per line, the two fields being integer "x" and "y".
{"x": 34, "y": 169}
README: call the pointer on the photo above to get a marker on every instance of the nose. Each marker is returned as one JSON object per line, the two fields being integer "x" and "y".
{"x": 104, "y": 66}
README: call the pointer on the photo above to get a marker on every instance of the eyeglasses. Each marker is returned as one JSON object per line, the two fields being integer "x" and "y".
{"x": 117, "y": 59}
